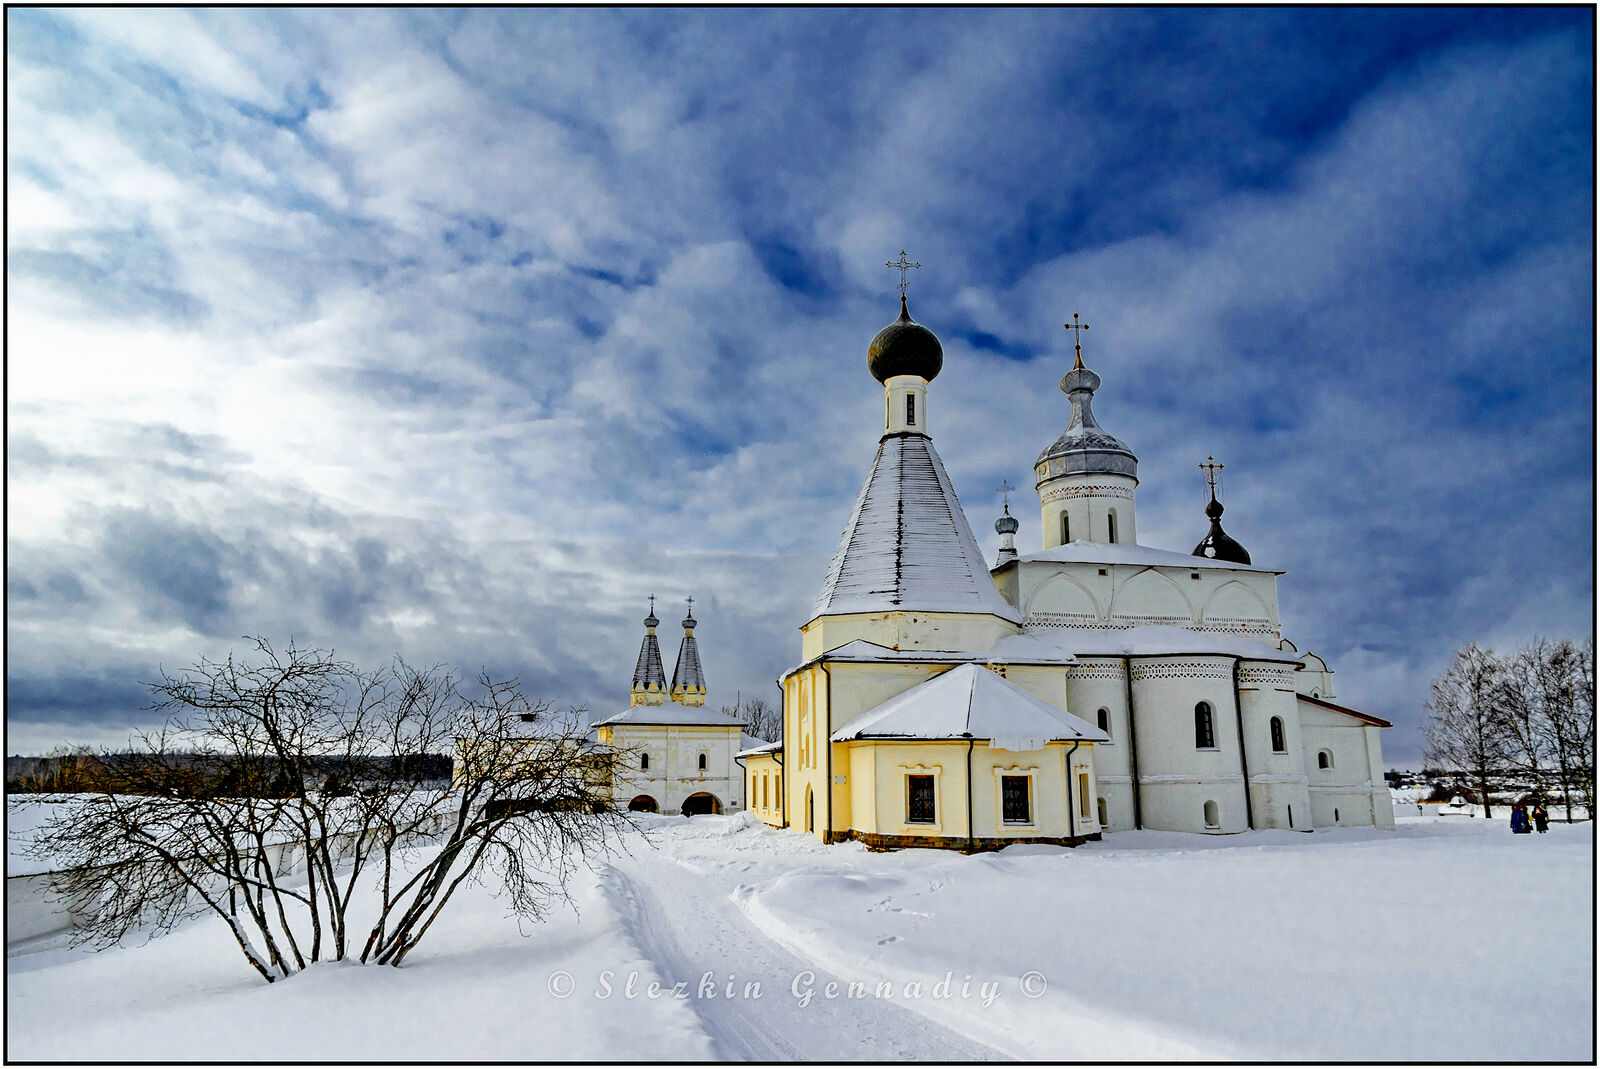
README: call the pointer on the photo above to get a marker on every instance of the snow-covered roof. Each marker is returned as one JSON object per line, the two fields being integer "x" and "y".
{"x": 1014, "y": 649}
{"x": 1154, "y": 641}
{"x": 970, "y": 702}
{"x": 760, "y": 748}
{"x": 1086, "y": 552}
{"x": 647, "y": 672}
{"x": 907, "y": 545}
{"x": 1323, "y": 703}
{"x": 671, "y": 713}
{"x": 687, "y": 672}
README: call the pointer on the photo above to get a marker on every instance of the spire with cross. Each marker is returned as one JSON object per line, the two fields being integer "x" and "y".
{"x": 688, "y": 678}
{"x": 649, "y": 677}
{"x": 1211, "y": 467}
{"x": 1077, "y": 329}
{"x": 902, "y": 265}
{"x": 1006, "y": 526}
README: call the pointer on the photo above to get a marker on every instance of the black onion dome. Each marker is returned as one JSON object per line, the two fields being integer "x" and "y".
{"x": 1006, "y": 524}
{"x": 1217, "y": 545}
{"x": 904, "y": 347}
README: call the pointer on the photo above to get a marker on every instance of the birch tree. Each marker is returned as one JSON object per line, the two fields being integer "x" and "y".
{"x": 1465, "y": 731}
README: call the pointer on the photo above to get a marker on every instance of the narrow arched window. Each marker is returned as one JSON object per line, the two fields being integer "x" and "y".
{"x": 1204, "y": 737}
{"x": 911, "y": 410}
{"x": 702, "y": 762}
{"x": 1066, "y": 529}
{"x": 1277, "y": 736}
{"x": 1111, "y": 526}
{"x": 644, "y": 762}
{"x": 1213, "y": 820}
{"x": 1324, "y": 759}
{"x": 1104, "y": 716}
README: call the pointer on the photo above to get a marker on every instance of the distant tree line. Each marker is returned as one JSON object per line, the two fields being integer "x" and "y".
{"x": 1525, "y": 717}
{"x": 72, "y": 770}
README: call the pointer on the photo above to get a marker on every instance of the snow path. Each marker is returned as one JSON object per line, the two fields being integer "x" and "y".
{"x": 704, "y": 931}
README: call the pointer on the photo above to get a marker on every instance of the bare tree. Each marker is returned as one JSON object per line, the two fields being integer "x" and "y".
{"x": 1524, "y": 698}
{"x": 1465, "y": 731}
{"x": 283, "y": 784}
{"x": 1570, "y": 723}
{"x": 759, "y": 717}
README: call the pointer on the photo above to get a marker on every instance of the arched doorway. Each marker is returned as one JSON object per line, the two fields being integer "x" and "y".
{"x": 811, "y": 824}
{"x": 696, "y": 804}
{"x": 643, "y": 804}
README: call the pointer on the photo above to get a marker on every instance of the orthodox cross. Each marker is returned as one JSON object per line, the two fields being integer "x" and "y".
{"x": 1005, "y": 489}
{"x": 902, "y": 265}
{"x": 1077, "y": 329}
{"x": 1211, "y": 467}
{"x": 691, "y": 607}
{"x": 652, "y": 604}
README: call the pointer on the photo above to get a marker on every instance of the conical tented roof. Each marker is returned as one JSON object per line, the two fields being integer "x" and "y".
{"x": 907, "y": 546}
{"x": 648, "y": 671}
{"x": 687, "y": 673}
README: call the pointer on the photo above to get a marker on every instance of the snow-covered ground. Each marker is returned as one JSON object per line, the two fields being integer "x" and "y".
{"x": 1444, "y": 940}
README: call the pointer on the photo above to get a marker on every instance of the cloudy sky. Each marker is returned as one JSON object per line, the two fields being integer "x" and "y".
{"x": 455, "y": 334}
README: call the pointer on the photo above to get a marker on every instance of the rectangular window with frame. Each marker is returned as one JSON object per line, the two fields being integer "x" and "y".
{"x": 919, "y": 800}
{"x": 911, "y": 410}
{"x": 1014, "y": 800}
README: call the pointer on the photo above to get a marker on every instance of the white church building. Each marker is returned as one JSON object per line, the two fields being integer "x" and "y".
{"x": 672, "y": 754}
{"x": 1129, "y": 686}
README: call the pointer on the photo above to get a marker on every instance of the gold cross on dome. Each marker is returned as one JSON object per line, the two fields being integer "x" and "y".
{"x": 1077, "y": 329}
{"x": 1211, "y": 467}
{"x": 902, "y": 265}
{"x": 1005, "y": 489}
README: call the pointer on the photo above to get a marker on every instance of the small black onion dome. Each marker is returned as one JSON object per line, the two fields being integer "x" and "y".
{"x": 1006, "y": 524}
{"x": 1217, "y": 545}
{"x": 904, "y": 347}
{"x": 651, "y": 621}
{"x": 689, "y": 623}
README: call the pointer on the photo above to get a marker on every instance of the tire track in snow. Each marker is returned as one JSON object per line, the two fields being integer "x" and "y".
{"x": 686, "y": 928}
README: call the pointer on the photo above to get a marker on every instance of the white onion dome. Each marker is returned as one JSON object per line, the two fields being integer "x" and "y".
{"x": 1085, "y": 446}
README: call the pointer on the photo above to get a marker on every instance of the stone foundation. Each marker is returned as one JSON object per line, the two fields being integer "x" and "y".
{"x": 875, "y": 841}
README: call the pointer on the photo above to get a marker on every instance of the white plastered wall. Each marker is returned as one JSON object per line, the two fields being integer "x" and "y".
{"x": 674, "y": 773}
{"x": 1351, "y": 792}
{"x": 1087, "y": 499}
